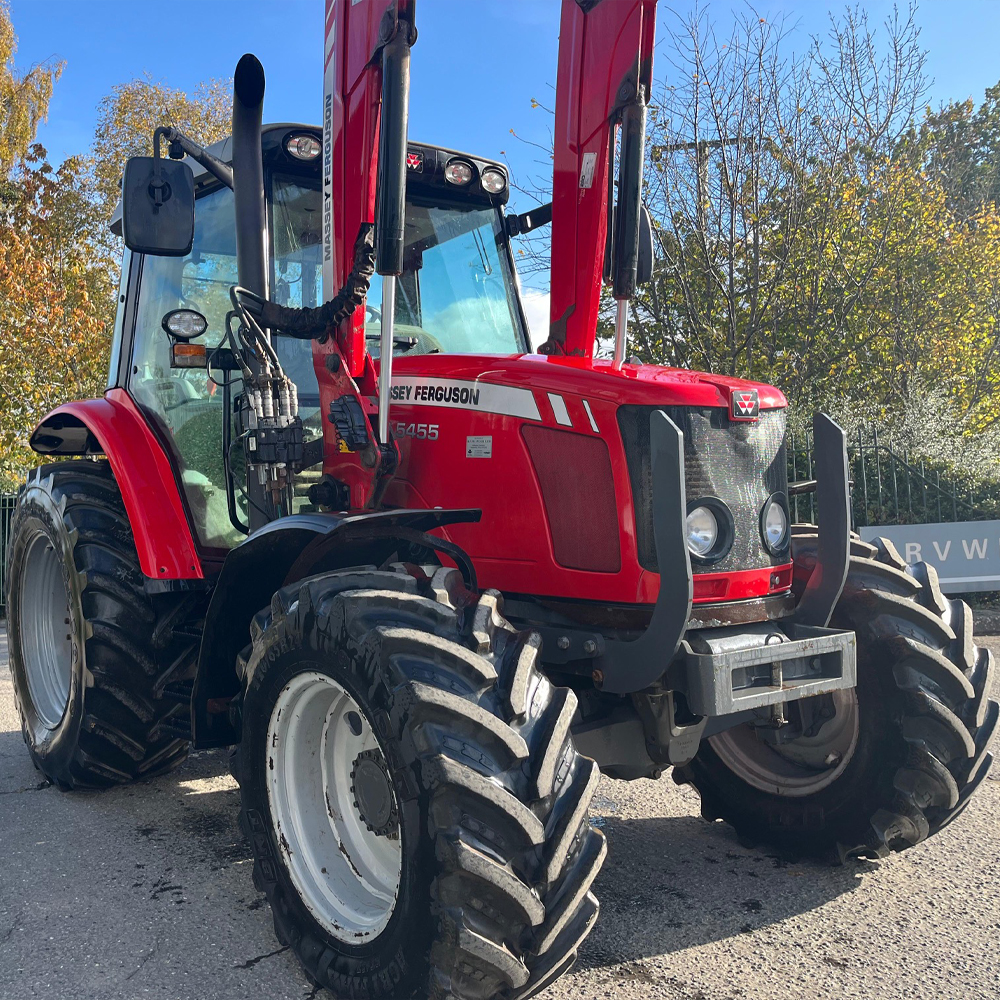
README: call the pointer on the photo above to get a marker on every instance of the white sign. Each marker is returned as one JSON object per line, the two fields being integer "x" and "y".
{"x": 479, "y": 446}
{"x": 966, "y": 554}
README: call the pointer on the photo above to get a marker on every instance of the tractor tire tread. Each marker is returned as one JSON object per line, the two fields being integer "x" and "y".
{"x": 939, "y": 698}
{"x": 120, "y": 737}
{"x": 470, "y": 710}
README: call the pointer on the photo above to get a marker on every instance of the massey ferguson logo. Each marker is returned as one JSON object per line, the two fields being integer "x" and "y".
{"x": 415, "y": 162}
{"x": 743, "y": 404}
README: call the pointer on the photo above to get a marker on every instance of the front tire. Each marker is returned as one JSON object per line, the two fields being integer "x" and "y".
{"x": 463, "y": 866}
{"x": 898, "y": 758}
{"x": 89, "y": 678}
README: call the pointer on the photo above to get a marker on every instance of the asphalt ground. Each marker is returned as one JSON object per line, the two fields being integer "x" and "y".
{"x": 146, "y": 892}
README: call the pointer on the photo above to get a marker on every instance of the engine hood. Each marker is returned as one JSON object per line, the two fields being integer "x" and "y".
{"x": 635, "y": 384}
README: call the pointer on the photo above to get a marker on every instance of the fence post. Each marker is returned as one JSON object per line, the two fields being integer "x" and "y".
{"x": 909, "y": 485}
{"x": 878, "y": 471}
{"x": 864, "y": 476}
{"x": 895, "y": 488}
{"x": 923, "y": 486}
{"x": 795, "y": 477}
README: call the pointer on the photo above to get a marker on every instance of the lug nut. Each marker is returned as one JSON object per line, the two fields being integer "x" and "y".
{"x": 563, "y": 642}
{"x": 590, "y": 647}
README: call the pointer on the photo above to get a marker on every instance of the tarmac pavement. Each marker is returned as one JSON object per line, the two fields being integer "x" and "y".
{"x": 146, "y": 892}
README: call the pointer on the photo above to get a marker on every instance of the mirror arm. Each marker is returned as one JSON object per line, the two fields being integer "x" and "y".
{"x": 181, "y": 144}
{"x": 540, "y": 215}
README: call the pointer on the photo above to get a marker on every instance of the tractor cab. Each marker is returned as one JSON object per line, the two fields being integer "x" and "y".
{"x": 457, "y": 294}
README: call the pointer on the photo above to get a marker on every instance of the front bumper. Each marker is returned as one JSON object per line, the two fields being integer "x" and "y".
{"x": 731, "y": 670}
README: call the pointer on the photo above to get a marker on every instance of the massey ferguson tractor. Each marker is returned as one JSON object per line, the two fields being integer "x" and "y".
{"x": 335, "y": 512}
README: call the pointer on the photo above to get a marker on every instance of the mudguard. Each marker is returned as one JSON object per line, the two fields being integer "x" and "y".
{"x": 276, "y": 555}
{"x": 115, "y": 427}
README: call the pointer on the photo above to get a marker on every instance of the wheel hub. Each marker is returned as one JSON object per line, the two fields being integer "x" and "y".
{"x": 373, "y": 797}
{"x": 801, "y": 766}
{"x": 333, "y": 807}
{"x": 46, "y": 639}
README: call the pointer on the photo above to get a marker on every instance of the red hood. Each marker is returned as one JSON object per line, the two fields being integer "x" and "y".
{"x": 634, "y": 384}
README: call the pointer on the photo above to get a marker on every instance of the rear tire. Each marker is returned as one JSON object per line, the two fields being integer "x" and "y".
{"x": 88, "y": 681}
{"x": 489, "y": 797}
{"x": 922, "y": 723}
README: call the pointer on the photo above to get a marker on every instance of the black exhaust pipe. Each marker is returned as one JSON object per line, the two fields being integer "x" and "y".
{"x": 248, "y": 174}
{"x": 251, "y": 250}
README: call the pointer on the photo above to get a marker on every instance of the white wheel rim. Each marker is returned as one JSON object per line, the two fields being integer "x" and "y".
{"x": 346, "y": 875}
{"x": 44, "y": 631}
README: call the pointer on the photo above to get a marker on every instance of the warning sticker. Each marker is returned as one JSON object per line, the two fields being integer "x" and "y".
{"x": 479, "y": 446}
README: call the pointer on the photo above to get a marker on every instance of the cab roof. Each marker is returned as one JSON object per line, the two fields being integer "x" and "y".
{"x": 432, "y": 160}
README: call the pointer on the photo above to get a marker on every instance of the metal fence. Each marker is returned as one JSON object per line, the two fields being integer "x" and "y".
{"x": 890, "y": 487}
{"x": 6, "y": 513}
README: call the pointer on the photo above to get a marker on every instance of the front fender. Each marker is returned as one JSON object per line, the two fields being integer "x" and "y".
{"x": 115, "y": 427}
{"x": 276, "y": 555}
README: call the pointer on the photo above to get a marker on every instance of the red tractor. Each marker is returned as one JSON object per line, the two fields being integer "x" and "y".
{"x": 429, "y": 583}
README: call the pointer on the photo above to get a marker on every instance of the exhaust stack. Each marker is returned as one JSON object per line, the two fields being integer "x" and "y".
{"x": 251, "y": 237}
{"x": 248, "y": 175}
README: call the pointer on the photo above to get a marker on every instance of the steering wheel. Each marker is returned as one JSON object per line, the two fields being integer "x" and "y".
{"x": 376, "y": 314}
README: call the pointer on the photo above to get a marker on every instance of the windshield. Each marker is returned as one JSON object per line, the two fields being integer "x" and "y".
{"x": 456, "y": 293}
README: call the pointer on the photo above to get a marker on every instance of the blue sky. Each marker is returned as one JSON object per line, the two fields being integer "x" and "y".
{"x": 476, "y": 65}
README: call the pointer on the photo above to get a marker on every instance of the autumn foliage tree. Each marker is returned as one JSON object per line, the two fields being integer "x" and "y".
{"x": 59, "y": 262}
{"x": 816, "y": 227}
{"x": 56, "y": 303}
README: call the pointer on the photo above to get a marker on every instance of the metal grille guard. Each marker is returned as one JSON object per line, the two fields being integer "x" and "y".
{"x": 812, "y": 659}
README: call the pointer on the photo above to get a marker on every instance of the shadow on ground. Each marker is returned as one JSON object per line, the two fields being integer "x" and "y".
{"x": 670, "y": 883}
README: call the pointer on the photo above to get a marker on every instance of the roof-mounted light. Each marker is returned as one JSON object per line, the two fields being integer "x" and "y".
{"x": 493, "y": 180}
{"x": 303, "y": 147}
{"x": 458, "y": 172}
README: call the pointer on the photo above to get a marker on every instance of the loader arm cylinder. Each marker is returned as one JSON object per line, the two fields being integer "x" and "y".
{"x": 385, "y": 355}
{"x": 391, "y": 200}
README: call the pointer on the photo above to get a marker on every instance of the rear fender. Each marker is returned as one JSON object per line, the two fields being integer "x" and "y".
{"x": 276, "y": 555}
{"x": 114, "y": 426}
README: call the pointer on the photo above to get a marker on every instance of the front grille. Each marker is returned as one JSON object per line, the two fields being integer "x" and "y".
{"x": 740, "y": 463}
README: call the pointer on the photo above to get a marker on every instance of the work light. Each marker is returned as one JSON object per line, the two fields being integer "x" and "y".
{"x": 493, "y": 181}
{"x": 303, "y": 147}
{"x": 458, "y": 172}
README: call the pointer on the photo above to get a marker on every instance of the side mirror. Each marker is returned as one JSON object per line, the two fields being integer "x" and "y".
{"x": 158, "y": 206}
{"x": 644, "y": 264}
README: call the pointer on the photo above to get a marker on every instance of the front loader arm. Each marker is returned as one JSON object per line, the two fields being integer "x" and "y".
{"x": 356, "y": 32}
{"x": 605, "y": 64}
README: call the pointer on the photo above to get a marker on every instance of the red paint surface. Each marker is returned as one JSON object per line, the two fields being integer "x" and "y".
{"x": 512, "y": 546}
{"x": 144, "y": 475}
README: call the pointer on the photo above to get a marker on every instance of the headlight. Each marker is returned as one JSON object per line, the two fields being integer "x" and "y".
{"x": 774, "y": 524}
{"x": 493, "y": 181}
{"x": 458, "y": 172}
{"x": 702, "y": 531}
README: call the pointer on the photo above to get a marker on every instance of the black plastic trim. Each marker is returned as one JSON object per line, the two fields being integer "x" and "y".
{"x": 833, "y": 512}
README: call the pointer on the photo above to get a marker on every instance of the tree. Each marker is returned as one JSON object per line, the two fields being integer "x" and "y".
{"x": 129, "y": 115}
{"x": 24, "y": 97}
{"x": 58, "y": 261}
{"x": 810, "y": 234}
{"x": 57, "y": 302}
